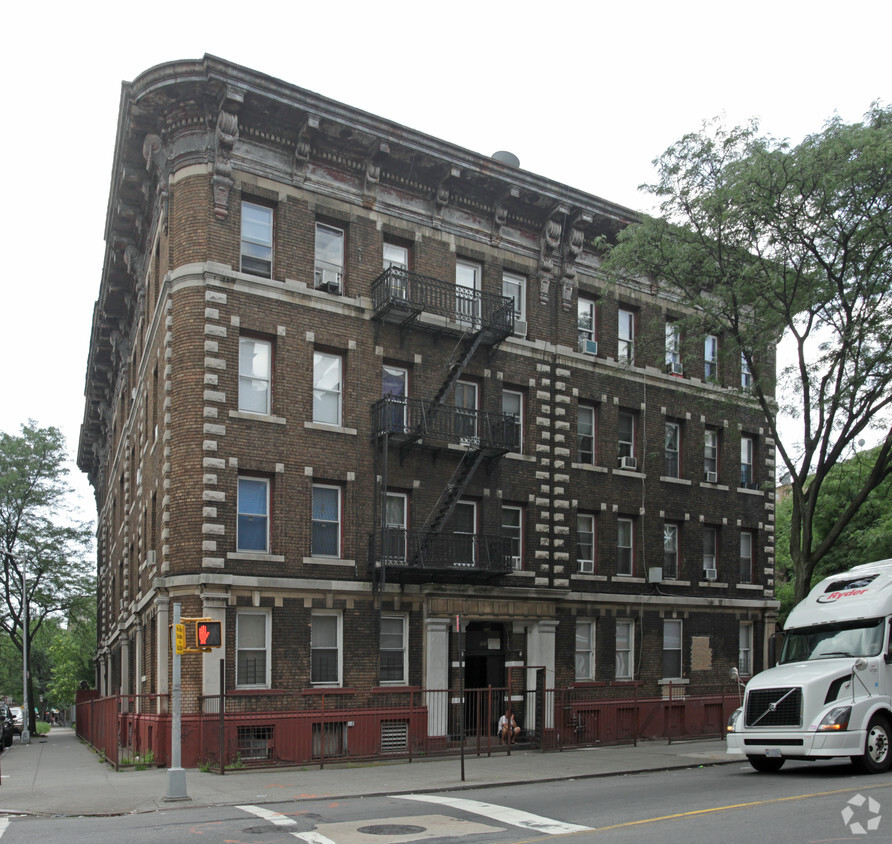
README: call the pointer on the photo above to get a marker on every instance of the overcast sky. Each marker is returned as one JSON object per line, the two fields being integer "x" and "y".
{"x": 585, "y": 93}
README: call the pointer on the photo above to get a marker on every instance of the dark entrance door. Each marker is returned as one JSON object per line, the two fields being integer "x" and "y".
{"x": 484, "y": 668}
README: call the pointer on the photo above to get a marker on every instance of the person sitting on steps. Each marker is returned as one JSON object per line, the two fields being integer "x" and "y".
{"x": 508, "y": 729}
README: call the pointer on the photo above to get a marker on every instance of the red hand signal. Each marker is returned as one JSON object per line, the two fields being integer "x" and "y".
{"x": 202, "y": 634}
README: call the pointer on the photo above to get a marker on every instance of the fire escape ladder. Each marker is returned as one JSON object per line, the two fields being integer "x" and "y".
{"x": 452, "y": 492}
{"x": 456, "y": 365}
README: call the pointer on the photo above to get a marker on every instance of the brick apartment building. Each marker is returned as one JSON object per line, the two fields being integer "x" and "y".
{"x": 348, "y": 382}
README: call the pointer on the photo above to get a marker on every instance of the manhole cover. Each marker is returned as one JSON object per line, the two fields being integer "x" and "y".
{"x": 391, "y": 829}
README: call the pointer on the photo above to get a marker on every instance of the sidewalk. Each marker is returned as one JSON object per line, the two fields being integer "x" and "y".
{"x": 59, "y": 775}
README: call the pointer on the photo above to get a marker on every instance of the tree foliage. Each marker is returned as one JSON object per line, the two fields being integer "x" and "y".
{"x": 39, "y": 533}
{"x": 760, "y": 241}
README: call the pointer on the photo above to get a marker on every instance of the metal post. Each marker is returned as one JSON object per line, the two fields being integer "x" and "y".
{"x": 176, "y": 775}
{"x": 461, "y": 693}
{"x": 222, "y": 708}
{"x": 26, "y": 720}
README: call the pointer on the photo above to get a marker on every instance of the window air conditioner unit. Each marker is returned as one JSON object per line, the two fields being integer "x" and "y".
{"x": 330, "y": 281}
{"x": 588, "y": 347}
{"x": 711, "y": 574}
{"x": 516, "y": 563}
{"x": 675, "y": 368}
{"x": 712, "y": 477}
{"x": 655, "y": 574}
{"x": 150, "y": 558}
{"x": 520, "y": 327}
{"x": 629, "y": 463}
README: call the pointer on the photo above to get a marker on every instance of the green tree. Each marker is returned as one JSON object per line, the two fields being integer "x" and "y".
{"x": 71, "y": 654}
{"x": 39, "y": 532}
{"x": 760, "y": 241}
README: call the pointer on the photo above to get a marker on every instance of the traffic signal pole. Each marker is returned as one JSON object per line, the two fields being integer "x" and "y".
{"x": 176, "y": 774}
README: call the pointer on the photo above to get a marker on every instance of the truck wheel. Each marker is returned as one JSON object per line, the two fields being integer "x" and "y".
{"x": 877, "y": 756}
{"x": 765, "y": 764}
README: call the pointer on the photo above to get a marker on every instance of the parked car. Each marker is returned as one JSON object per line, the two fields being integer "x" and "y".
{"x": 7, "y": 719}
{"x": 18, "y": 715}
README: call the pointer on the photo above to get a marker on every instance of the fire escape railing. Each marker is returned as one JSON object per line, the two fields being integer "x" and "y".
{"x": 398, "y": 548}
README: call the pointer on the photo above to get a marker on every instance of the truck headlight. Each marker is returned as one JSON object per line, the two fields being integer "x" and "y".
{"x": 732, "y": 720}
{"x": 836, "y": 719}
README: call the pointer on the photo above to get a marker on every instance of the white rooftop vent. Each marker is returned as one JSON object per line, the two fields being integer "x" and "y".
{"x": 506, "y": 157}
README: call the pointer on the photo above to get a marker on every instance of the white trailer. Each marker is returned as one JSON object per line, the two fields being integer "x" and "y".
{"x": 830, "y": 693}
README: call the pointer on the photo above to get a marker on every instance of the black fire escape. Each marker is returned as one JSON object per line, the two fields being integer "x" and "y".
{"x": 475, "y": 319}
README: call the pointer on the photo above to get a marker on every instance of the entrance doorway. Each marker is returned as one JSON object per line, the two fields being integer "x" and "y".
{"x": 485, "y": 645}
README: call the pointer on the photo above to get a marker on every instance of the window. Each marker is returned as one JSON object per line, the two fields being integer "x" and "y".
{"x": 625, "y": 649}
{"x": 514, "y": 287}
{"x": 746, "y": 376}
{"x": 512, "y": 528}
{"x": 467, "y": 291}
{"x": 327, "y": 388}
{"x": 512, "y": 406}
{"x": 326, "y": 541}
{"x": 395, "y": 511}
{"x": 253, "y": 515}
{"x": 673, "y": 348}
{"x": 585, "y": 650}
{"x": 393, "y": 649}
{"x": 711, "y": 358}
{"x": 626, "y": 434}
{"x": 626, "y": 334}
{"x": 746, "y": 556}
{"x": 711, "y": 455}
{"x": 397, "y": 257}
{"x": 710, "y": 551}
{"x": 325, "y": 649}
{"x": 673, "y": 449}
{"x": 670, "y": 550}
{"x": 464, "y": 519}
{"x": 747, "y": 447}
{"x": 745, "y": 649}
{"x": 252, "y": 662}
{"x": 395, "y": 386}
{"x": 254, "y": 375}
{"x": 671, "y": 648}
{"x": 586, "y": 324}
{"x": 257, "y": 239}
{"x": 585, "y": 435}
{"x": 625, "y": 548}
{"x": 466, "y": 412}
{"x": 585, "y": 543}
{"x": 329, "y": 258}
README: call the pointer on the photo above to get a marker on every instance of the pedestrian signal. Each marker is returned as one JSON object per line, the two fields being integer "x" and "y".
{"x": 208, "y": 634}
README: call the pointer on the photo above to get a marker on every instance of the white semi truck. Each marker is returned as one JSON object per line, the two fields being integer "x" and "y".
{"x": 830, "y": 693}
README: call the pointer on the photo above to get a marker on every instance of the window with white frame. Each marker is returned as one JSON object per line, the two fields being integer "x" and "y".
{"x": 585, "y": 543}
{"x": 670, "y": 550}
{"x": 466, "y": 412}
{"x": 514, "y": 287}
{"x": 625, "y": 434}
{"x": 512, "y": 406}
{"x": 672, "y": 666}
{"x": 585, "y": 650}
{"x": 252, "y": 648}
{"x": 257, "y": 239}
{"x": 746, "y": 556}
{"x": 673, "y": 348}
{"x": 585, "y": 435}
{"x": 672, "y": 449}
{"x": 329, "y": 268}
{"x": 395, "y": 515}
{"x": 746, "y": 375}
{"x": 395, "y": 388}
{"x": 325, "y": 648}
{"x": 747, "y": 450}
{"x": 396, "y": 257}
{"x": 468, "y": 277}
{"x": 254, "y": 375}
{"x": 587, "y": 325}
{"x": 745, "y": 649}
{"x": 710, "y": 550}
{"x": 326, "y": 521}
{"x": 626, "y": 336}
{"x": 625, "y": 649}
{"x": 327, "y": 381}
{"x": 512, "y": 528}
{"x": 625, "y": 546}
{"x": 393, "y": 649}
{"x": 252, "y": 530}
{"x": 711, "y": 455}
{"x": 464, "y": 520}
{"x": 711, "y": 358}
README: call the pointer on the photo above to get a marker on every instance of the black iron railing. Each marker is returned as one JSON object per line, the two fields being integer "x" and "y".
{"x": 459, "y": 553}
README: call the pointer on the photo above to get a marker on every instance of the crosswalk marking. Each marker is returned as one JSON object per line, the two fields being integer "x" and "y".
{"x": 4, "y": 822}
{"x": 268, "y": 815}
{"x": 503, "y": 814}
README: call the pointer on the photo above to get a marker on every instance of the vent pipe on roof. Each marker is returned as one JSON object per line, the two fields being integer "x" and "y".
{"x": 506, "y": 157}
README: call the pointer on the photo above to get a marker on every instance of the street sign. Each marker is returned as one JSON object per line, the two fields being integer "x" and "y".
{"x": 180, "y": 634}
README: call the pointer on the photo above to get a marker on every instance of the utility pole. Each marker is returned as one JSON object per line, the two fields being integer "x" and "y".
{"x": 176, "y": 774}
{"x": 26, "y": 714}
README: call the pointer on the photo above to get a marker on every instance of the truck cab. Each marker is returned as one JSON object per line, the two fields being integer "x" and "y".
{"x": 830, "y": 693}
